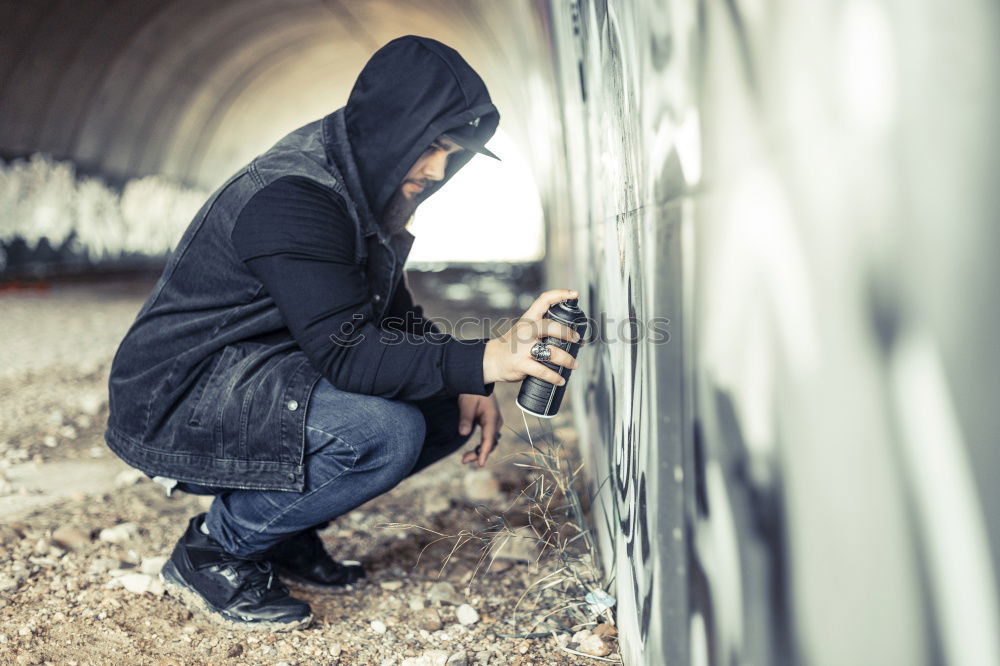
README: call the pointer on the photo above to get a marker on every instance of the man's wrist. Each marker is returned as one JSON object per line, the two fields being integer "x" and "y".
{"x": 490, "y": 373}
{"x": 463, "y": 364}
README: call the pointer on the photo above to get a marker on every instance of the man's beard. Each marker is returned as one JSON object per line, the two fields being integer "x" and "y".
{"x": 398, "y": 212}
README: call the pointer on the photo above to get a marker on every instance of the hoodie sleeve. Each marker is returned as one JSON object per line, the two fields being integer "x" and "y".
{"x": 297, "y": 239}
{"x": 405, "y": 315}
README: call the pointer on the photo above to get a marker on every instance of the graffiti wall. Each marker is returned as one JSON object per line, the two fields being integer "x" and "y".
{"x": 798, "y": 470}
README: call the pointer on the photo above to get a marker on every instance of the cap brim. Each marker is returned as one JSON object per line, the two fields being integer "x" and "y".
{"x": 471, "y": 145}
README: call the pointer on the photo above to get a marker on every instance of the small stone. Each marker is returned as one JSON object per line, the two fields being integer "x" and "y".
{"x": 128, "y": 477}
{"x": 481, "y": 486}
{"x": 466, "y": 614}
{"x": 428, "y": 658}
{"x": 459, "y": 658}
{"x": 416, "y": 603}
{"x": 378, "y": 626}
{"x": 483, "y": 657}
{"x": 444, "y": 592}
{"x": 50, "y": 442}
{"x": 9, "y": 583}
{"x": 436, "y": 503}
{"x": 604, "y": 631}
{"x": 119, "y": 533}
{"x": 499, "y": 566}
{"x": 91, "y": 403}
{"x": 141, "y": 583}
{"x": 152, "y": 565}
{"x": 335, "y": 650}
{"x": 522, "y": 546}
{"x": 104, "y": 565}
{"x": 429, "y": 620}
{"x": 436, "y": 657}
{"x": 8, "y": 535}
{"x": 391, "y": 585}
{"x": 234, "y": 650}
{"x": 594, "y": 646}
{"x": 41, "y": 547}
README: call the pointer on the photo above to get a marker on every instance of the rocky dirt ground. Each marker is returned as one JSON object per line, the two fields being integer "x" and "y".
{"x": 82, "y": 536}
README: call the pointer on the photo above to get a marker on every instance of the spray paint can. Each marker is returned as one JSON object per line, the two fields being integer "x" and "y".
{"x": 537, "y": 396}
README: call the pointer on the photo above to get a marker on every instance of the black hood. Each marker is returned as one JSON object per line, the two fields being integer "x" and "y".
{"x": 412, "y": 90}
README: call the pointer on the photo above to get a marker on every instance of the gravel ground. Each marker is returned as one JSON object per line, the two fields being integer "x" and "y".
{"x": 57, "y": 348}
{"x": 73, "y": 591}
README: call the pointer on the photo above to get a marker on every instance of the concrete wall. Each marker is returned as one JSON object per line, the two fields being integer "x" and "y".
{"x": 804, "y": 472}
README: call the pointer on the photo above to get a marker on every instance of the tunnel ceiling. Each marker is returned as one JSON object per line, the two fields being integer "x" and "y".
{"x": 191, "y": 89}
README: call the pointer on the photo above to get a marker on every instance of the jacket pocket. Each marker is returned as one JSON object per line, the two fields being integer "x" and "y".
{"x": 207, "y": 403}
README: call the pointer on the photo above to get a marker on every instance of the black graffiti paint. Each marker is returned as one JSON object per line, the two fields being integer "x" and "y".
{"x": 630, "y": 485}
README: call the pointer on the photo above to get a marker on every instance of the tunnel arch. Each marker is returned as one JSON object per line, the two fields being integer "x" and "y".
{"x": 129, "y": 89}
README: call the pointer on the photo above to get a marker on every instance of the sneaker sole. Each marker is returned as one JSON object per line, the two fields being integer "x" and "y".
{"x": 291, "y": 579}
{"x": 178, "y": 588}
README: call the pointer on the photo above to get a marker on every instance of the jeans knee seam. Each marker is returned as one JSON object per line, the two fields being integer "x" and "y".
{"x": 294, "y": 504}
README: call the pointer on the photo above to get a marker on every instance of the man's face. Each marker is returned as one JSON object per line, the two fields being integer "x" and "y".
{"x": 428, "y": 168}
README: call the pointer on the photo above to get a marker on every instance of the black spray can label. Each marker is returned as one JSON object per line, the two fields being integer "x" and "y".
{"x": 537, "y": 396}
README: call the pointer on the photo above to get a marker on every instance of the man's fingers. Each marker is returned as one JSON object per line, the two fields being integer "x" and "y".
{"x": 546, "y": 300}
{"x": 536, "y": 369}
{"x": 484, "y": 452}
{"x": 466, "y": 412}
{"x": 553, "y": 329}
{"x": 562, "y": 357}
{"x": 489, "y": 429}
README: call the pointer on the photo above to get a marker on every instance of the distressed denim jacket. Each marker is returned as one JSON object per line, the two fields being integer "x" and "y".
{"x": 208, "y": 385}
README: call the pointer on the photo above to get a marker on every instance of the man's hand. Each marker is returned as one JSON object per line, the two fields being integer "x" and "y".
{"x": 482, "y": 410}
{"x": 508, "y": 357}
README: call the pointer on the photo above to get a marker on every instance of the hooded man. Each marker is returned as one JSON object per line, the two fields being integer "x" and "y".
{"x": 280, "y": 363}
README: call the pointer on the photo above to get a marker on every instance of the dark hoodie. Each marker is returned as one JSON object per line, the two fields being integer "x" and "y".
{"x": 412, "y": 90}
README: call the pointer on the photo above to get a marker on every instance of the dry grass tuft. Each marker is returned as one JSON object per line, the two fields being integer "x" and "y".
{"x": 549, "y": 513}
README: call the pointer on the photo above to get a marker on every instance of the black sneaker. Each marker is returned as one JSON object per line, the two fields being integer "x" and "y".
{"x": 242, "y": 594}
{"x": 304, "y": 560}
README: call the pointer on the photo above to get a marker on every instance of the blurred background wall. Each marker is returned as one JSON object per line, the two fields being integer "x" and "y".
{"x": 783, "y": 215}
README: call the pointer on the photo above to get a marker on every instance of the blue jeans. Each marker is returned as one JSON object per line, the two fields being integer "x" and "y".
{"x": 357, "y": 447}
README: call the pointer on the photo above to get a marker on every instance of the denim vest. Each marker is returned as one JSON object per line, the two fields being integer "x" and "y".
{"x": 208, "y": 386}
